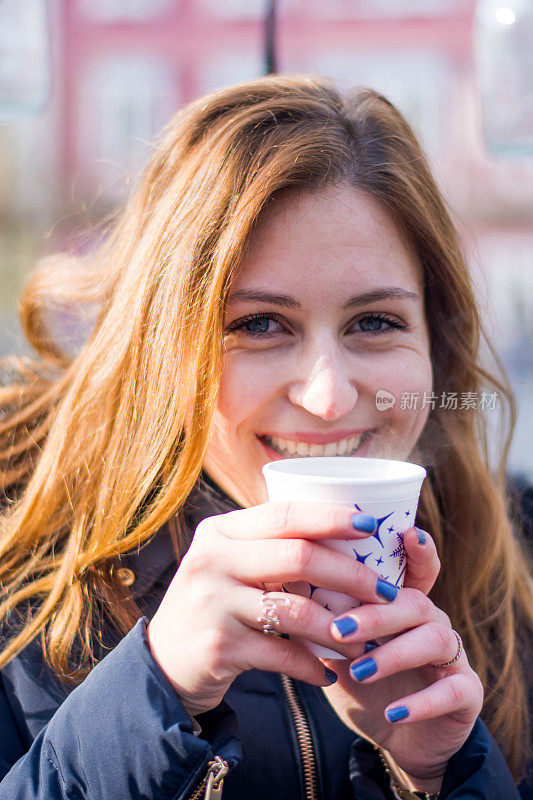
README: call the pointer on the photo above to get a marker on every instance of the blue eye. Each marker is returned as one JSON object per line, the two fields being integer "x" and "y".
{"x": 255, "y": 324}
{"x": 372, "y": 323}
{"x": 259, "y": 325}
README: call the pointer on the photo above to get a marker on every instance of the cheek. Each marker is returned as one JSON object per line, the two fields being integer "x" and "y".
{"x": 409, "y": 379}
{"x": 414, "y": 378}
{"x": 404, "y": 373}
{"x": 413, "y": 387}
{"x": 245, "y": 387}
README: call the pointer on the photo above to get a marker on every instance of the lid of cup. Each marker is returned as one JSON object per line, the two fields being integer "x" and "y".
{"x": 339, "y": 469}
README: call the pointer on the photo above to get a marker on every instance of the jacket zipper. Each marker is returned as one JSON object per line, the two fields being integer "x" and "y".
{"x": 305, "y": 740}
{"x": 211, "y": 786}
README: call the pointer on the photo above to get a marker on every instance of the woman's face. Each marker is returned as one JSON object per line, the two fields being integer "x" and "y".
{"x": 326, "y": 312}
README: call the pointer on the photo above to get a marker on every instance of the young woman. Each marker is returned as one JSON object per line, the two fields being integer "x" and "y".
{"x": 285, "y": 256}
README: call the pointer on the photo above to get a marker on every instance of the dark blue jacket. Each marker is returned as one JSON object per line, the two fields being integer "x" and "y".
{"x": 124, "y": 735}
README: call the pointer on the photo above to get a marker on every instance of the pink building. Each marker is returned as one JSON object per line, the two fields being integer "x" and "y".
{"x": 123, "y": 67}
{"x": 127, "y": 65}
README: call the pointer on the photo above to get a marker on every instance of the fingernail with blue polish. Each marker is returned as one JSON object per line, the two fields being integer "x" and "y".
{"x": 398, "y": 713}
{"x": 386, "y": 590}
{"x": 331, "y": 676}
{"x": 370, "y": 646}
{"x": 363, "y": 522}
{"x": 421, "y": 536}
{"x": 345, "y": 625}
{"x": 364, "y": 669}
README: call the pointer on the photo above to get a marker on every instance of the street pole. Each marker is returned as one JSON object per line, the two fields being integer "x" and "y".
{"x": 270, "y": 38}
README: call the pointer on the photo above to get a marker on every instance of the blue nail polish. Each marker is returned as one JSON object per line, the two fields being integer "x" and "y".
{"x": 345, "y": 625}
{"x": 331, "y": 676}
{"x": 363, "y": 522}
{"x": 370, "y": 646}
{"x": 386, "y": 589}
{"x": 421, "y": 536}
{"x": 364, "y": 669}
{"x": 395, "y": 714}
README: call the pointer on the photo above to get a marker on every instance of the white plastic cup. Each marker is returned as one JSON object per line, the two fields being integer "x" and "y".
{"x": 385, "y": 489}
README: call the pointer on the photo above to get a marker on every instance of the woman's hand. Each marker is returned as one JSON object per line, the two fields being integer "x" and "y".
{"x": 433, "y": 709}
{"x": 206, "y": 630}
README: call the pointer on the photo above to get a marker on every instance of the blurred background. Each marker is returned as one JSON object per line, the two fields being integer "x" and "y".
{"x": 86, "y": 84}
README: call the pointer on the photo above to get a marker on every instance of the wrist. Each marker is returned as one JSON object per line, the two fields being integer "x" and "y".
{"x": 408, "y": 787}
{"x": 427, "y": 786}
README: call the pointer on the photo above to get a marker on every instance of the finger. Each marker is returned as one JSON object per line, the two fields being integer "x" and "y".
{"x": 428, "y": 644}
{"x": 294, "y": 520}
{"x": 292, "y": 614}
{"x": 423, "y": 563}
{"x": 460, "y": 695}
{"x": 273, "y": 587}
{"x": 410, "y": 609}
{"x": 293, "y": 560}
{"x": 275, "y": 654}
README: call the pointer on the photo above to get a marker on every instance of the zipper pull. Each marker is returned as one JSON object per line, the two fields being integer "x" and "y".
{"x": 218, "y": 770}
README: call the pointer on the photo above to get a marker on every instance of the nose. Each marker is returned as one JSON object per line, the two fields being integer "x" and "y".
{"x": 325, "y": 388}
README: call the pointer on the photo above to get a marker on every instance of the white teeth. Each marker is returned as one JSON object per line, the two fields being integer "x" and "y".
{"x": 288, "y": 448}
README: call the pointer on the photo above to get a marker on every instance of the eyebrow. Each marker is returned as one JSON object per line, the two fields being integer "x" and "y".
{"x": 286, "y": 301}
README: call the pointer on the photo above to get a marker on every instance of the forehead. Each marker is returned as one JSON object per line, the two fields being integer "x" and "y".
{"x": 333, "y": 238}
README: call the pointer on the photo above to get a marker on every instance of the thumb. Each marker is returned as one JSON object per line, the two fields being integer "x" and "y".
{"x": 423, "y": 563}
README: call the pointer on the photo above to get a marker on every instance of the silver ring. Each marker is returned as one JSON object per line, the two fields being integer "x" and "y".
{"x": 457, "y": 655}
{"x": 269, "y": 618}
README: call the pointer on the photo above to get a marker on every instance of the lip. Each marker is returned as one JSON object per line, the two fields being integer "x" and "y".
{"x": 273, "y": 456}
{"x": 315, "y": 438}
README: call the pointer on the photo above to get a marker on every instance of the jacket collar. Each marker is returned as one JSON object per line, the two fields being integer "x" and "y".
{"x": 152, "y": 559}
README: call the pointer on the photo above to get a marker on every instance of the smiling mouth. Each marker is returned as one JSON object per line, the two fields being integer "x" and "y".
{"x": 292, "y": 449}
